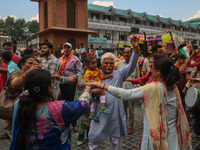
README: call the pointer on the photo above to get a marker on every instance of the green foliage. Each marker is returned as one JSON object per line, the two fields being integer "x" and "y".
{"x": 18, "y": 29}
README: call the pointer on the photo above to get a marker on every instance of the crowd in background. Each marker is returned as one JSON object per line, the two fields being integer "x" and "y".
{"x": 66, "y": 70}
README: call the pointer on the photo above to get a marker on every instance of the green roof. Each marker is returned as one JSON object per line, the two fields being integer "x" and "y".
{"x": 185, "y": 23}
{"x": 140, "y": 15}
{"x": 176, "y": 21}
{"x": 136, "y": 14}
{"x": 98, "y": 7}
{"x": 165, "y": 19}
{"x": 194, "y": 25}
{"x": 121, "y": 11}
{"x": 152, "y": 17}
{"x": 194, "y": 20}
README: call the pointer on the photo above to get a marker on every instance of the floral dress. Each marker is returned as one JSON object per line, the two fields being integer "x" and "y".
{"x": 83, "y": 121}
{"x": 51, "y": 124}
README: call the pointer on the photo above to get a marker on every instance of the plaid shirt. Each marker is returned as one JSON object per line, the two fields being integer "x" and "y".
{"x": 52, "y": 65}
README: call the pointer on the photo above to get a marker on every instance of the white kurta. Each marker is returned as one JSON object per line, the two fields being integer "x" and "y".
{"x": 113, "y": 124}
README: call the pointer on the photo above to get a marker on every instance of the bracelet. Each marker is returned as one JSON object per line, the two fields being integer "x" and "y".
{"x": 87, "y": 88}
{"x": 103, "y": 86}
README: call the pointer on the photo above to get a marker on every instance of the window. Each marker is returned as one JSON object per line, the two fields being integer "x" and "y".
{"x": 106, "y": 17}
{"x": 151, "y": 23}
{"x": 163, "y": 26}
{"x": 71, "y": 14}
{"x": 123, "y": 37}
{"x": 95, "y": 16}
{"x": 107, "y": 35}
{"x": 137, "y": 21}
{"x": 123, "y": 19}
{"x": 46, "y": 15}
{"x": 95, "y": 35}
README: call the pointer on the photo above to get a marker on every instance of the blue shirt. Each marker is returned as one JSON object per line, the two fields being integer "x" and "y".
{"x": 12, "y": 67}
{"x": 99, "y": 52}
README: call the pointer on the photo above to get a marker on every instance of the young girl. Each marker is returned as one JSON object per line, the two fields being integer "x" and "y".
{"x": 93, "y": 73}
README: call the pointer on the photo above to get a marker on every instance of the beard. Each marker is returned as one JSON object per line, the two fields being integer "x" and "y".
{"x": 45, "y": 54}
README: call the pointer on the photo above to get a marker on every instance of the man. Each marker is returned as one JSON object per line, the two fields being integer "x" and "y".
{"x": 112, "y": 125}
{"x": 58, "y": 52}
{"x": 51, "y": 64}
{"x": 15, "y": 50}
{"x": 11, "y": 66}
{"x": 78, "y": 51}
{"x": 70, "y": 65}
{"x": 3, "y": 69}
{"x": 127, "y": 85}
{"x": 83, "y": 50}
{"x": 100, "y": 54}
{"x": 193, "y": 81}
{"x": 157, "y": 49}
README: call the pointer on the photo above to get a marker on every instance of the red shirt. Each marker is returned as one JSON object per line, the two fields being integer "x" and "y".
{"x": 3, "y": 81}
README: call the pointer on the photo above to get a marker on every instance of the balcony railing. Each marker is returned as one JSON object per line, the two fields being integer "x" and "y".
{"x": 121, "y": 23}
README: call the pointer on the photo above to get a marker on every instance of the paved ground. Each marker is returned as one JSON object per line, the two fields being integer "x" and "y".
{"x": 129, "y": 143}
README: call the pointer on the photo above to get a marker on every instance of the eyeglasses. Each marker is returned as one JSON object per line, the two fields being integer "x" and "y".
{"x": 152, "y": 67}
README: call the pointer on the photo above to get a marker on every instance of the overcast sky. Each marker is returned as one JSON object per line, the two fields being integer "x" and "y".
{"x": 176, "y": 9}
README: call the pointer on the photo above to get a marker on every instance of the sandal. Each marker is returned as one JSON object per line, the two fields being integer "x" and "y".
{"x": 104, "y": 110}
{"x": 93, "y": 117}
{"x": 4, "y": 136}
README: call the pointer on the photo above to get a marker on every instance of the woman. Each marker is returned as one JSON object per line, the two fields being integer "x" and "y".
{"x": 84, "y": 121}
{"x": 14, "y": 84}
{"x": 165, "y": 123}
{"x": 39, "y": 121}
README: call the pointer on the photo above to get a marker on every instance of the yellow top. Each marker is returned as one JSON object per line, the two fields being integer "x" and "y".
{"x": 93, "y": 75}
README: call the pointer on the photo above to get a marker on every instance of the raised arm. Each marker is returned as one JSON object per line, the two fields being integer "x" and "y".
{"x": 128, "y": 70}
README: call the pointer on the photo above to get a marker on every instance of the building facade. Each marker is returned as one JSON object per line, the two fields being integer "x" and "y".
{"x": 113, "y": 26}
{"x": 63, "y": 21}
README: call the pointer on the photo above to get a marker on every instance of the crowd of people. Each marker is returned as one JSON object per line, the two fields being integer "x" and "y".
{"x": 83, "y": 91}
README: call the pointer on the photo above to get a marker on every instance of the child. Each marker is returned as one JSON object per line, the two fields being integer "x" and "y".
{"x": 93, "y": 73}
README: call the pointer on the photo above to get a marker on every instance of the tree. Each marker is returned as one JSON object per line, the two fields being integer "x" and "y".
{"x": 18, "y": 29}
{"x": 33, "y": 26}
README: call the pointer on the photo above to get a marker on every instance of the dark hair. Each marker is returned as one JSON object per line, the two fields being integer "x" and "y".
{"x": 82, "y": 43}
{"x": 28, "y": 51}
{"x": 169, "y": 73}
{"x": 36, "y": 84}
{"x": 89, "y": 58}
{"x": 15, "y": 42}
{"x": 23, "y": 60}
{"x": 48, "y": 44}
{"x": 179, "y": 56}
{"x": 7, "y": 55}
{"x": 155, "y": 47}
{"x": 7, "y": 43}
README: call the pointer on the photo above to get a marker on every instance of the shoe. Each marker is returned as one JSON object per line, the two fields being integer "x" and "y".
{"x": 104, "y": 110}
{"x": 130, "y": 131}
{"x": 79, "y": 143}
{"x": 93, "y": 117}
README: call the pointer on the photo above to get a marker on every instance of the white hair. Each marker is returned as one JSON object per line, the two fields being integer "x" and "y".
{"x": 108, "y": 55}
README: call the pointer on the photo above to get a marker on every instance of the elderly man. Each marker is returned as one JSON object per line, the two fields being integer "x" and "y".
{"x": 112, "y": 125}
{"x": 127, "y": 85}
{"x": 70, "y": 65}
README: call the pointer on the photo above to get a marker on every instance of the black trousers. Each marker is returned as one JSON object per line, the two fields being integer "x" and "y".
{"x": 67, "y": 91}
{"x": 196, "y": 120}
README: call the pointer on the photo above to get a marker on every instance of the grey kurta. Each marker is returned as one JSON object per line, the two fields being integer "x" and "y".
{"x": 113, "y": 124}
{"x": 136, "y": 94}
